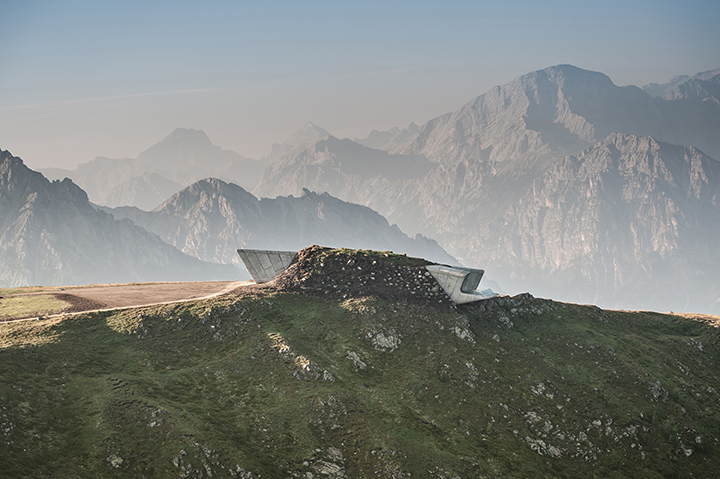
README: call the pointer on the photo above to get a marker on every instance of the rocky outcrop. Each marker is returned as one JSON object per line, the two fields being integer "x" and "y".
{"x": 345, "y": 273}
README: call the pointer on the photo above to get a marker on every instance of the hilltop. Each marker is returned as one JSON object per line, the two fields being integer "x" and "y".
{"x": 297, "y": 379}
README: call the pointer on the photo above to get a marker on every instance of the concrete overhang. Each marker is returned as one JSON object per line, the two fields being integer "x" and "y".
{"x": 460, "y": 283}
{"x": 264, "y": 265}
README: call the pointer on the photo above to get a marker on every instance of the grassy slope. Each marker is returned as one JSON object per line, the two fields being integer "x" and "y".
{"x": 264, "y": 384}
{"x": 31, "y": 305}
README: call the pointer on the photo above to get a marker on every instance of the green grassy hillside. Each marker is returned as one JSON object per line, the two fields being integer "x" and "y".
{"x": 283, "y": 382}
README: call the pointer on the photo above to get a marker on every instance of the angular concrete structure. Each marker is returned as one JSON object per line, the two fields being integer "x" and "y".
{"x": 264, "y": 265}
{"x": 460, "y": 283}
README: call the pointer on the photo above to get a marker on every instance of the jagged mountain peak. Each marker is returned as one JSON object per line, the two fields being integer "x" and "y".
{"x": 685, "y": 171}
{"x": 50, "y": 234}
{"x": 310, "y": 133}
{"x": 547, "y": 113}
{"x": 662, "y": 89}
{"x": 708, "y": 75}
{"x": 205, "y": 190}
{"x": 187, "y": 155}
{"x": 312, "y": 127}
{"x": 562, "y": 74}
{"x": 211, "y": 218}
{"x": 16, "y": 180}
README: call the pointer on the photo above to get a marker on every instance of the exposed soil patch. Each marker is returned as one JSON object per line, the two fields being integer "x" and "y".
{"x": 78, "y": 303}
{"x": 130, "y": 295}
{"x": 141, "y": 294}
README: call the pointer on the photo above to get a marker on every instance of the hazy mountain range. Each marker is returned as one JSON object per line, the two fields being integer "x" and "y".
{"x": 50, "y": 234}
{"x": 180, "y": 159}
{"x": 211, "y": 218}
{"x": 483, "y": 188}
{"x": 704, "y": 86}
{"x": 559, "y": 182}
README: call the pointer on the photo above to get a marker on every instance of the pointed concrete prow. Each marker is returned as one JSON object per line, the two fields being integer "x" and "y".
{"x": 460, "y": 283}
{"x": 265, "y": 265}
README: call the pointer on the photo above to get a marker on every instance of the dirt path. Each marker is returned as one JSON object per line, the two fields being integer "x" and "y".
{"x": 124, "y": 296}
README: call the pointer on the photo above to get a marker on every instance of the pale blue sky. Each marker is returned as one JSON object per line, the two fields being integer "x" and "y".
{"x": 87, "y": 78}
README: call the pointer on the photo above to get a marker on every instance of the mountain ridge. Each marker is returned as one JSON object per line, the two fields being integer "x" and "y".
{"x": 211, "y": 218}
{"x": 51, "y": 235}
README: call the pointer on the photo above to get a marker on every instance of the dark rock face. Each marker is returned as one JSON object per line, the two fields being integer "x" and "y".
{"x": 51, "y": 235}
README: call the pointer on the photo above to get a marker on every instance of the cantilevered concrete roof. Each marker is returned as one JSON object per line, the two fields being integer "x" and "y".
{"x": 264, "y": 265}
{"x": 460, "y": 283}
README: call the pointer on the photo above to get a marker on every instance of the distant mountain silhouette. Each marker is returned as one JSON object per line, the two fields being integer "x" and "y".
{"x": 178, "y": 160}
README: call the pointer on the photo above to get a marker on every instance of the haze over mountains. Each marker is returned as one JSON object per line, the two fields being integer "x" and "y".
{"x": 211, "y": 218}
{"x": 704, "y": 86}
{"x": 489, "y": 158}
{"x": 559, "y": 182}
{"x": 51, "y": 235}
{"x": 180, "y": 159}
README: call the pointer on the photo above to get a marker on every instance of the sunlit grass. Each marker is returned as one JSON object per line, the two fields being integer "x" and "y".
{"x": 31, "y": 305}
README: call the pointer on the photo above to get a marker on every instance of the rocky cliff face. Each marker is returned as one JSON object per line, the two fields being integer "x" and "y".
{"x": 630, "y": 222}
{"x": 51, "y": 235}
{"x": 211, "y": 218}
